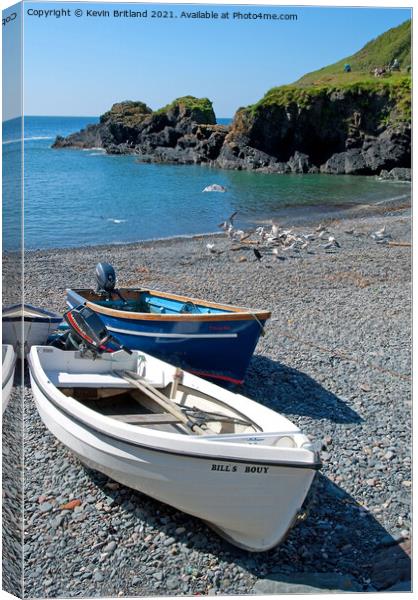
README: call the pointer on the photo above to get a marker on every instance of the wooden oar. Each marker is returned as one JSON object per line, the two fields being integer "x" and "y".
{"x": 167, "y": 404}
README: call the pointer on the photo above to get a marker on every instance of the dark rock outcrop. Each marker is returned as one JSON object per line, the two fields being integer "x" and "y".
{"x": 358, "y": 131}
{"x": 396, "y": 174}
{"x": 183, "y": 132}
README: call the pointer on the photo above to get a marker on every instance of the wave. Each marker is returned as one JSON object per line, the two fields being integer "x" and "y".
{"x": 395, "y": 198}
{"x": 116, "y": 220}
{"x": 28, "y": 139}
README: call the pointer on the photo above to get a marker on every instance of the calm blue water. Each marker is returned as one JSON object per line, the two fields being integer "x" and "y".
{"x": 75, "y": 198}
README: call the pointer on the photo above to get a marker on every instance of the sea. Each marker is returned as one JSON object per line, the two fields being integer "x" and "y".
{"x": 75, "y": 198}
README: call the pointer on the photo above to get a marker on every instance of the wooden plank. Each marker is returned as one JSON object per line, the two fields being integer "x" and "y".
{"x": 167, "y": 404}
{"x": 406, "y": 244}
{"x": 148, "y": 419}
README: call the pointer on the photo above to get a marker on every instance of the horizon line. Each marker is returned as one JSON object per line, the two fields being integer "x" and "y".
{"x": 69, "y": 116}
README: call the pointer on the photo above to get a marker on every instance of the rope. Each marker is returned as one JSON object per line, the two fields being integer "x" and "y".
{"x": 263, "y": 331}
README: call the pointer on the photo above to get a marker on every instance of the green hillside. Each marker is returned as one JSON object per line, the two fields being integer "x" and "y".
{"x": 380, "y": 52}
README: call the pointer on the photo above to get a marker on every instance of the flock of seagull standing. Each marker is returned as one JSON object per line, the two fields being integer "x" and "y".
{"x": 281, "y": 240}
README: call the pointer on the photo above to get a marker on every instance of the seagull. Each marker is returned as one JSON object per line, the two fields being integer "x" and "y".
{"x": 308, "y": 236}
{"x": 211, "y": 248}
{"x": 349, "y": 231}
{"x": 257, "y": 254}
{"x": 275, "y": 229}
{"x": 292, "y": 246}
{"x": 228, "y": 222}
{"x": 334, "y": 241}
{"x": 238, "y": 234}
{"x": 214, "y": 188}
{"x": 322, "y": 233}
{"x": 261, "y": 232}
{"x": 275, "y": 253}
{"x": 381, "y": 234}
{"x": 231, "y": 231}
{"x": 270, "y": 240}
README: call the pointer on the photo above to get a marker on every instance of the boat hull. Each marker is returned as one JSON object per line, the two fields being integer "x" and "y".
{"x": 31, "y": 326}
{"x": 217, "y": 346}
{"x": 251, "y": 506}
{"x": 8, "y": 370}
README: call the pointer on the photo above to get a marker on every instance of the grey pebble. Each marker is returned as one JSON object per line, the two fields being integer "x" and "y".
{"x": 364, "y": 436}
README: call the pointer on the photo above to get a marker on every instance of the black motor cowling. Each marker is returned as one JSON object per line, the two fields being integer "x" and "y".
{"x": 87, "y": 333}
{"x": 106, "y": 277}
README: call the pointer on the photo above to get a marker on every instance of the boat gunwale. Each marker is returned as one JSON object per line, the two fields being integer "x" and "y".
{"x": 188, "y": 453}
{"x": 237, "y": 313}
{"x": 44, "y": 316}
{"x": 8, "y": 365}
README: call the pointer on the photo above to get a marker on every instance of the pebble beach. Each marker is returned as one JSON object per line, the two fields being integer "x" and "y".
{"x": 336, "y": 360}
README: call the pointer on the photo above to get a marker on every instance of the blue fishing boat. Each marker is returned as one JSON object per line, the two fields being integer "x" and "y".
{"x": 208, "y": 339}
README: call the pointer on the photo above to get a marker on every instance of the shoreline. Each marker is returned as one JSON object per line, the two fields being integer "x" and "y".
{"x": 325, "y": 214}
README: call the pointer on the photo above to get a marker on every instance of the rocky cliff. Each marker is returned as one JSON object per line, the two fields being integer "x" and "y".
{"x": 355, "y": 129}
{"x": 330, "y": 121}
{"x": 184, "y": 131}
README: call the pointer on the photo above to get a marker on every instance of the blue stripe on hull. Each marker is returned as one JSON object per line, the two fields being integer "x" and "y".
{"x": 220, "y": 349}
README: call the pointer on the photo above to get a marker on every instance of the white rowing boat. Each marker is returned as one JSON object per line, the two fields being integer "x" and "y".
{"x": 8, "y": 371}
{"x": 220, "y": 456}
{"x": 25, "y": 325}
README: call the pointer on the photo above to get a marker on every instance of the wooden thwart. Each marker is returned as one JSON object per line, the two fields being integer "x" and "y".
{"x": 167, "y": 404}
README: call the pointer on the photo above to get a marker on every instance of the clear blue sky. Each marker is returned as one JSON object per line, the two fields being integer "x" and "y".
{"x": 80, "y": 66}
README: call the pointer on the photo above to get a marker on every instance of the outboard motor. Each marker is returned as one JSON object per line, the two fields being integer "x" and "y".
{"x": 106, "y": 280}
{"x": 106, "y": 277}
{"x": 87, "y": 333}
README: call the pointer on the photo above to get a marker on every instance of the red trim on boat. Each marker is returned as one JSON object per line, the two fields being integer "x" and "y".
{"x": 214, "y": 376}
{"x": 84, "y": 335}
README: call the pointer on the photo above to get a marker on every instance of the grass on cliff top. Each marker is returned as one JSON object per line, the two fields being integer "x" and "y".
{"x": 395, "y": 43}
{"x": 203, "y": 105}
{"x": 395, "y": 84}
{"x": 129, "y": 111}
{"x": 380, "y": 52}
{"x": 397, "y": 87}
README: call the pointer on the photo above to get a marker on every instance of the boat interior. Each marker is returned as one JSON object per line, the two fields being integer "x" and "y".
{"x": 174, "y": 408}
{"x": 143, "y": 301}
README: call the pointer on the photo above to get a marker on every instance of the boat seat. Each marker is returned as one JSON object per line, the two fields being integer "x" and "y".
{"x": 74, "y": 380}
{"x": 149, "y": 419}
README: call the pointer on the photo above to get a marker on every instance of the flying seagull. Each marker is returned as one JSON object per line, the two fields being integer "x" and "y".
{"x": 229, "y": 222}
{"x": 215, "y": 187}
